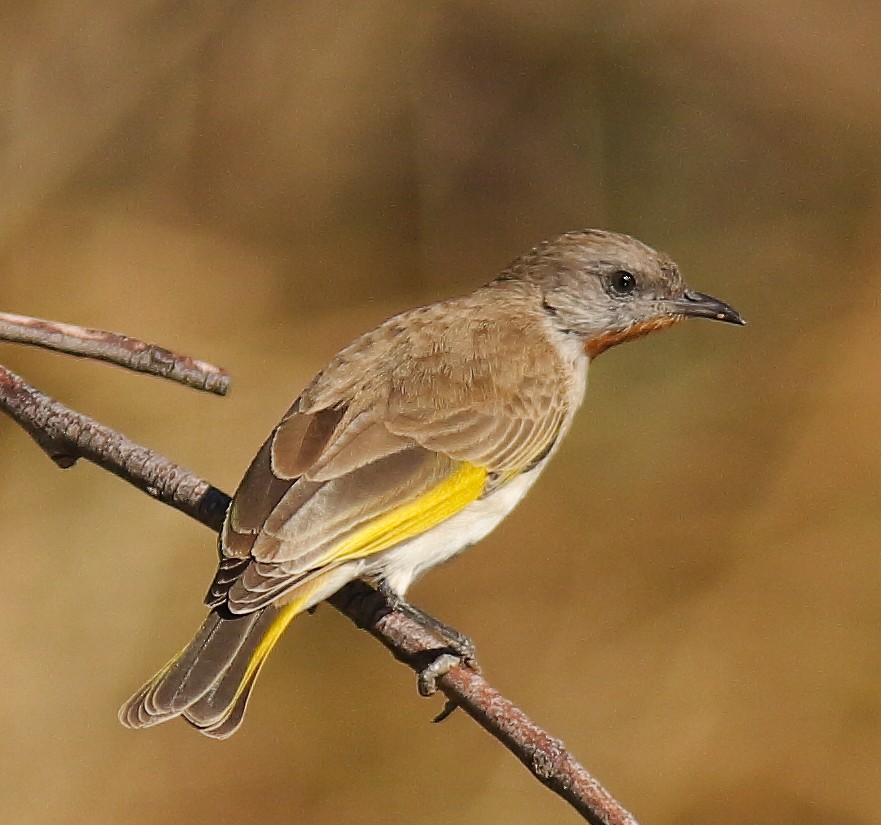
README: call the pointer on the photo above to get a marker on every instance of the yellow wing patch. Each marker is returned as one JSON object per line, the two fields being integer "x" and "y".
{"x": 405, "y": 522}
{"x": 409, "y": 520}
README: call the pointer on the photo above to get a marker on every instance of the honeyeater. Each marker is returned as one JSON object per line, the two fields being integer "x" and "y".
{"x": 413, "y": 443}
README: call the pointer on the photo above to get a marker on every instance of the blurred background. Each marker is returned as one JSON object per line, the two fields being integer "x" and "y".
{"x": 691, "y": 597}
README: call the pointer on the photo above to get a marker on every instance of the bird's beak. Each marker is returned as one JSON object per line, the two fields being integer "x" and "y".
{"x": 698, "y": 305}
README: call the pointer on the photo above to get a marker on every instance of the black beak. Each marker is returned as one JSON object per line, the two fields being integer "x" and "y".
{"x": 698, "y": 305}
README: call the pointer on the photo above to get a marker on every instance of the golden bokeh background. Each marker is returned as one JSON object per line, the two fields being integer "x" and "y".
{"x": 691, "y": 597}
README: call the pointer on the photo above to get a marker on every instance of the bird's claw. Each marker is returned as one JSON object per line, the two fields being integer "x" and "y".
{"x": 443, "y": 664}
{"x": 449, "y": 706}
{"x": 428, "y": 677}
{"x": 458, "y": 648}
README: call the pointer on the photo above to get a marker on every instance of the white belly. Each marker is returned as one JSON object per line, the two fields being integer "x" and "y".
{"x": 406, "y": 562}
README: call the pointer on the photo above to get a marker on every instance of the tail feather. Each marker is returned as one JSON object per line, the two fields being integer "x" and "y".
{"x": 216, "y": 720}
{"x": 211, "y": 652}
{"x": 228, "y": 696}
{"x": 210, "y": 680}
{"x": 193, "y": 672}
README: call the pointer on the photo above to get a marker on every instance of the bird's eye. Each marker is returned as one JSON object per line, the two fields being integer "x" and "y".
{"x": 622, "y": 282}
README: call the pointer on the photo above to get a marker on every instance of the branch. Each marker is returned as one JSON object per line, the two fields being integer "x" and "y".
{"x": 114, "y": 348}
{"x": 66, "y": 435}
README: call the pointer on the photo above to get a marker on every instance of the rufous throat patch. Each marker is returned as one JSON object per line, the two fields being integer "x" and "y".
{"x": 600, "y": 343}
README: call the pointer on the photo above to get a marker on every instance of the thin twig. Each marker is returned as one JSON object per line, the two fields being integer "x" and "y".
{"x": 114, "y": 348}
{"x": 544, "y": 756}
{"x": 66, "y": 435}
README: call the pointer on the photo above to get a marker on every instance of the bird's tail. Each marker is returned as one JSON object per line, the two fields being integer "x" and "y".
{"x": 209, "y": 681}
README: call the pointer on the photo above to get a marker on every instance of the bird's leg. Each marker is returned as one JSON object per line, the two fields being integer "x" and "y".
{"x": 458, "y": 642}
{"x": 463, "y": 648}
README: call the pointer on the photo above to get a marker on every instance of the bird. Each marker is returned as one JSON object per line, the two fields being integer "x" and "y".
{"x": 412, "y": 444}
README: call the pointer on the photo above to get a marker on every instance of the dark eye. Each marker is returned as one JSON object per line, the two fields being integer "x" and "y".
{"x": 622, "y": 282}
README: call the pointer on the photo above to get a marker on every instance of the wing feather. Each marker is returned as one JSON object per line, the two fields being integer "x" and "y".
{"x": 371, "y": 442}
{"x": 402, "y": 429}
{"x": 341, "y": 504}
{"x": 362, "y": 517}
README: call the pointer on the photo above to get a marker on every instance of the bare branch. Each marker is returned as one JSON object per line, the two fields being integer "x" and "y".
{"x": 544, "y": 756}
{"x": 114, "y": 348}
{"x": 66, "y": 435}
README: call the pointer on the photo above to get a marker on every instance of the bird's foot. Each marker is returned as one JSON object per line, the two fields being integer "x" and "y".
{"x": 427, "y": 681}
{"x": 457, "y": 642}
{"x": 457, "y": 648}
{"x": 441, "y": 666}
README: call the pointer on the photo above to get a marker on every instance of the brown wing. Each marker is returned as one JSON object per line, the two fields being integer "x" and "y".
{"x": 391, "y": 418}
{"x": 456, "y": 395}
{"x": 303, "y": 453}
{"x": 317, "y": 480}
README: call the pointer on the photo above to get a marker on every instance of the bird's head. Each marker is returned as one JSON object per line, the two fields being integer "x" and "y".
{"x": 609, "y": 288}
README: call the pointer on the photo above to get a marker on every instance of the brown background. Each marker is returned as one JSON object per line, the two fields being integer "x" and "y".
{"x": 691, "y": 598}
